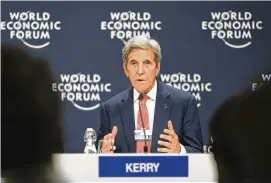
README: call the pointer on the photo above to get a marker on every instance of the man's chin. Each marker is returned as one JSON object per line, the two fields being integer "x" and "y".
{"x": 141, "y": 89}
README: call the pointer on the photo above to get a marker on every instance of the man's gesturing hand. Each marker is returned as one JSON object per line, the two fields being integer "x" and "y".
{"x": 108, "y": 141}
{"x": 173, "y": 145}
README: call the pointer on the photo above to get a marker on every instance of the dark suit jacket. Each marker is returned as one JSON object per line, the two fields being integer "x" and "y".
{"x": 171, "y": 104}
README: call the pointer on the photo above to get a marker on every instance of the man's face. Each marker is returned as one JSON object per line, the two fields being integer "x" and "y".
{"x": 141, "y": 69}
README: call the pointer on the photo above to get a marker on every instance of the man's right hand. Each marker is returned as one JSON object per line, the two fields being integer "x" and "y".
{"x": 109, "y": 141}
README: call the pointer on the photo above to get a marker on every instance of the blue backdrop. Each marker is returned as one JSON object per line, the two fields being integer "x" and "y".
{"x": 212, "y": 49}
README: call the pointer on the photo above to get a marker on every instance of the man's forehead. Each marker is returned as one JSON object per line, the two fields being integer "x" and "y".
{"x": 141, "y": 49}
{"x": 148, "y": 55}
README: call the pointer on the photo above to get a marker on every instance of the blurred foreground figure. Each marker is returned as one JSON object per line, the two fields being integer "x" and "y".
{"x": 241, "y": 129}
{"x": 31, "y": 129}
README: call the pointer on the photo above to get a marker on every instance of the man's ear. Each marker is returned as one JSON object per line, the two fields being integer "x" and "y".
{"x": 157, "y": 68}
{"x": 125, "y": 69}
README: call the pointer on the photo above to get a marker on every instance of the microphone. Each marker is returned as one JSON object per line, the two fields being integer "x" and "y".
{"x": 140, "y": 97}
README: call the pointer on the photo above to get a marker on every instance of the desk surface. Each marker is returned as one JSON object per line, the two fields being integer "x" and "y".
{"x": 85, "y": 168}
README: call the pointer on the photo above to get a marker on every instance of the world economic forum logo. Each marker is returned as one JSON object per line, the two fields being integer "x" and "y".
{"x": 125, "y": 25}
{"x": 31, "y": 27}
{"x": 192, "y": 83}
{"x": 233, "y": 28}
{"x": 82, "y": 90}
{"x": 265, "y": 80}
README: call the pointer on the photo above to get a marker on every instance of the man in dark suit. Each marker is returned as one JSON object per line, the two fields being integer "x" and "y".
{"x": 167, "y": 117}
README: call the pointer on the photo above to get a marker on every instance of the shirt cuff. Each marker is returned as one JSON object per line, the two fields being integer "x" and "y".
{"x": 183, "y": 150}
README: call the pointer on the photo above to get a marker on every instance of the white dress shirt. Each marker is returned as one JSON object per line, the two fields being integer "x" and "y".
{"x": 150, "y": 107}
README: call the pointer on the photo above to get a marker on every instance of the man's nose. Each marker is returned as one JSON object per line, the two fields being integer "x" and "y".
{"x": 140, "y": 69}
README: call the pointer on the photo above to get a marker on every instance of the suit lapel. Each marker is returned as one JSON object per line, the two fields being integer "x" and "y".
{"x": 128, "y": 121}
{"x": 162, "y": 114}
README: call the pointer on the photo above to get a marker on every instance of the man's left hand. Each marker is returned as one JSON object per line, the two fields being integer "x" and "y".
{"x": 173, "y": 145}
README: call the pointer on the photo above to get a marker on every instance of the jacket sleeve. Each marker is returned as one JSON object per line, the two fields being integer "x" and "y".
{"x": 192, "y": 135}
{"x": 104, "y": 128}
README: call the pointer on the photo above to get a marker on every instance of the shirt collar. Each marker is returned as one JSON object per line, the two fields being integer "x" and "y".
{"x": 151, "y": 94}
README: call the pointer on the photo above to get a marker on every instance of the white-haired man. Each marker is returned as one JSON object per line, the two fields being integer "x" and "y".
{"x": 167, "y": 117}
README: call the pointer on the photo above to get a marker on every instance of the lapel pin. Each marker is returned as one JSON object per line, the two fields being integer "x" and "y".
{"x": 165, "y": 107}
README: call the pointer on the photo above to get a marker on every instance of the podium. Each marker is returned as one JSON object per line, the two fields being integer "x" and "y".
{"x": 136, "y": 167}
